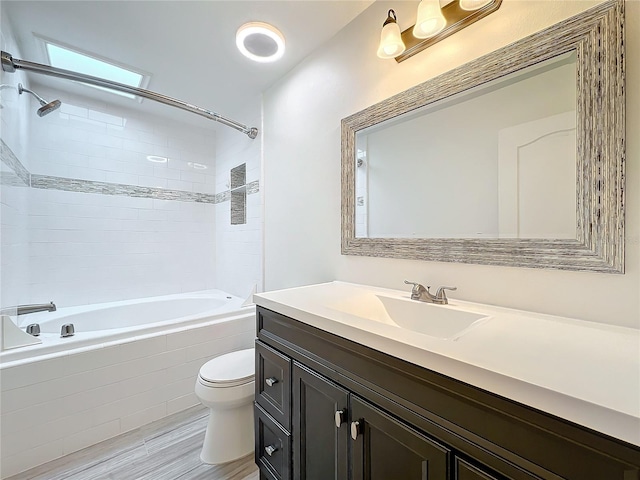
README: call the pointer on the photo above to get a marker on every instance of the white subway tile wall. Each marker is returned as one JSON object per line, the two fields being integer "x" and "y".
{"x": 85, "y": 248}
{"x": 92, "y": 140}
{"x": 90, "y": 248}
{"x": 57, "y": 406}
{"x": 239, "y": 247}
{"x": 14, "y": 126}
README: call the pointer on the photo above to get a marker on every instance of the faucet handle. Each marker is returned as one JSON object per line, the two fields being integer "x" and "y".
{"x": 417, "y": 289}
{"x": 440, "y": 295}
{"x": 417, "y": 286}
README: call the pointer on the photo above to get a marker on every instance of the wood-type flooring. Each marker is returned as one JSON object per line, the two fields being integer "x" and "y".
{"x": 168, "y": 449}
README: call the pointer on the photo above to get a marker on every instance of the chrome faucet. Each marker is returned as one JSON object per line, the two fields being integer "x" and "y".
{"x": 422, "y": 294}
{"x": 26, "y": 309}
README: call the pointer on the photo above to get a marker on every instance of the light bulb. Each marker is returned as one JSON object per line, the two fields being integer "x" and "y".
{"x": 430, "y": 20}
{"x": 473, "y": 4}
{"x": 391, "y": 44}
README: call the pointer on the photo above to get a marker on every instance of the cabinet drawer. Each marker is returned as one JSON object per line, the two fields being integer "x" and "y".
{"x": 465, "y": 471}
{"x": 273, "y": 447}
{"x": 273, "y": 383}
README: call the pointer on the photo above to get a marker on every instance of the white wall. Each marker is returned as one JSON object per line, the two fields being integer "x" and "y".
{"x": 302, "y": 116}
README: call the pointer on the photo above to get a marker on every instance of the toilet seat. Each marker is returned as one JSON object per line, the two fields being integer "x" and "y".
{"x": 229, "y": 370}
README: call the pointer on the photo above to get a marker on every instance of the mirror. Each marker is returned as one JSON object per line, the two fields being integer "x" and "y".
{"x": 502, "y": 161}
{"x": 511, "y": 175}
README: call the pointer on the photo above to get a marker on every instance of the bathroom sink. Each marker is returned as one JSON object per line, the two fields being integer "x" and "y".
{"x": 440, "y": 321}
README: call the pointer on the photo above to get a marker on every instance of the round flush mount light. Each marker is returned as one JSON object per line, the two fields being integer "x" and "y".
{"x": 260, "y": 42}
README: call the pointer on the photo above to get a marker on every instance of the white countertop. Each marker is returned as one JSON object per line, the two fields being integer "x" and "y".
{"x": 585, "y": 372}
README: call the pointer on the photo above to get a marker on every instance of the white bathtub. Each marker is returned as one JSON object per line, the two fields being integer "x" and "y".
{"x": 107, "y": 322}
{"x": 128, "y": 364}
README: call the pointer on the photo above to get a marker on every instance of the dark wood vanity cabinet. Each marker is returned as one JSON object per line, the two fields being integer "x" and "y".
{"x": 331, "y": 409}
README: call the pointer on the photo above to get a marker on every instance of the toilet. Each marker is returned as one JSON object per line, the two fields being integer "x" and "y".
{"x": 225, "y": 385}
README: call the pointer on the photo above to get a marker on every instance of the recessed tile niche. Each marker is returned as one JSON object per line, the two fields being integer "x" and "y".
{"x": 239, "y": 195}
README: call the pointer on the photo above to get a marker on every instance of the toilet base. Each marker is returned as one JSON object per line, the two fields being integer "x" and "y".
{"x": 229, "y": 435}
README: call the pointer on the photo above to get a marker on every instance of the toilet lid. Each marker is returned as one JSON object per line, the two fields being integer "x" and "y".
{"x": 230, "y": 368}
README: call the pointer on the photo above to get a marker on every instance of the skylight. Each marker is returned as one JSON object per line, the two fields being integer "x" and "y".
{"x": 67, "y": 59}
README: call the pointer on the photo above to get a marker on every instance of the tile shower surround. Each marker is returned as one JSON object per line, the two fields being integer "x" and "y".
{"x": 92, "y": 242}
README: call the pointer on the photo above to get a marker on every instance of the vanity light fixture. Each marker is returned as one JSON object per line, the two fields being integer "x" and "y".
{"x": 391, "y": 44}
{"x": 435, "y": 21}
{"x": 260, "y": 42}
{"x": 470, "y": 5}
{"x": 430, "y": 20}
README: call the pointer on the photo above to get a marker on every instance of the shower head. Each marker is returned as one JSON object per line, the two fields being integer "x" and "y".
{"x": 46, "y": 107}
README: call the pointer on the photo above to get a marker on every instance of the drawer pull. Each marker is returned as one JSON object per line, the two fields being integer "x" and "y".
{"x": 355, "y": 430}
{"x": 339, "y": 418}
{"x": 270, "y": 449}
{"x": 271, "y": 381}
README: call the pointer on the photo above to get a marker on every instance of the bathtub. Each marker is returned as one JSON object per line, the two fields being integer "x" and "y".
{"x": 129, "y": 363}
{"x": 107, "y": 322}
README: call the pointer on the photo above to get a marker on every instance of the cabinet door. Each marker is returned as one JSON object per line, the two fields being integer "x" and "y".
{"x": 319, "y": 444}
{"x": 384, "y": 448}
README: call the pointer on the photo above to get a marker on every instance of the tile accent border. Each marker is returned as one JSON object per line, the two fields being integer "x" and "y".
{"x": 10, "y": 160}
{"x": 89, "y": 186}
{"x": 20, "y": 176}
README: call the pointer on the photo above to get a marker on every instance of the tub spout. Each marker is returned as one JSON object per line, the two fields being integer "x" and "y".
{"x": 26, "y": 309}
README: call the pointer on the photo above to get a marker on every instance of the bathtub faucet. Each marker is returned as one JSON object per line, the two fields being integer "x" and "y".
{"x": 26, "y": 309}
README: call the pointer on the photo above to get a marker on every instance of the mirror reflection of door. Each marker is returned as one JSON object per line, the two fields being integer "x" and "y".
{"x": 537, "y": 178}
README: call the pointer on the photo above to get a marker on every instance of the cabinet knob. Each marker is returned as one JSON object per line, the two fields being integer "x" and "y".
{"x": 355, "y": 429}
{"x": 340, "y": 414}
{"x": 270, "y": 449}
{"x": 271, "y": 381}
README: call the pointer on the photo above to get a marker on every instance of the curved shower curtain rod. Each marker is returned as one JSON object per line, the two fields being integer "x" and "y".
{"x": 10, "y": 64}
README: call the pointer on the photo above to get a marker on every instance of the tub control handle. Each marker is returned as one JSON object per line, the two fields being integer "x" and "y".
{"x": 271, "y": 381}
{"x": 33, "y": 329}
{"x": 67, "y": 330}
{"x": 270, "y": 449}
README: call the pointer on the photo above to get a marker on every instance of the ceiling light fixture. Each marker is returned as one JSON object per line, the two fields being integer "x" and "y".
{"x": 260, "y": 42}
{"x": 436, "y": 20}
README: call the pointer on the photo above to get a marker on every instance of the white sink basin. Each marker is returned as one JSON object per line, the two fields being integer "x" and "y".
{"x": 440, "y": 321}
